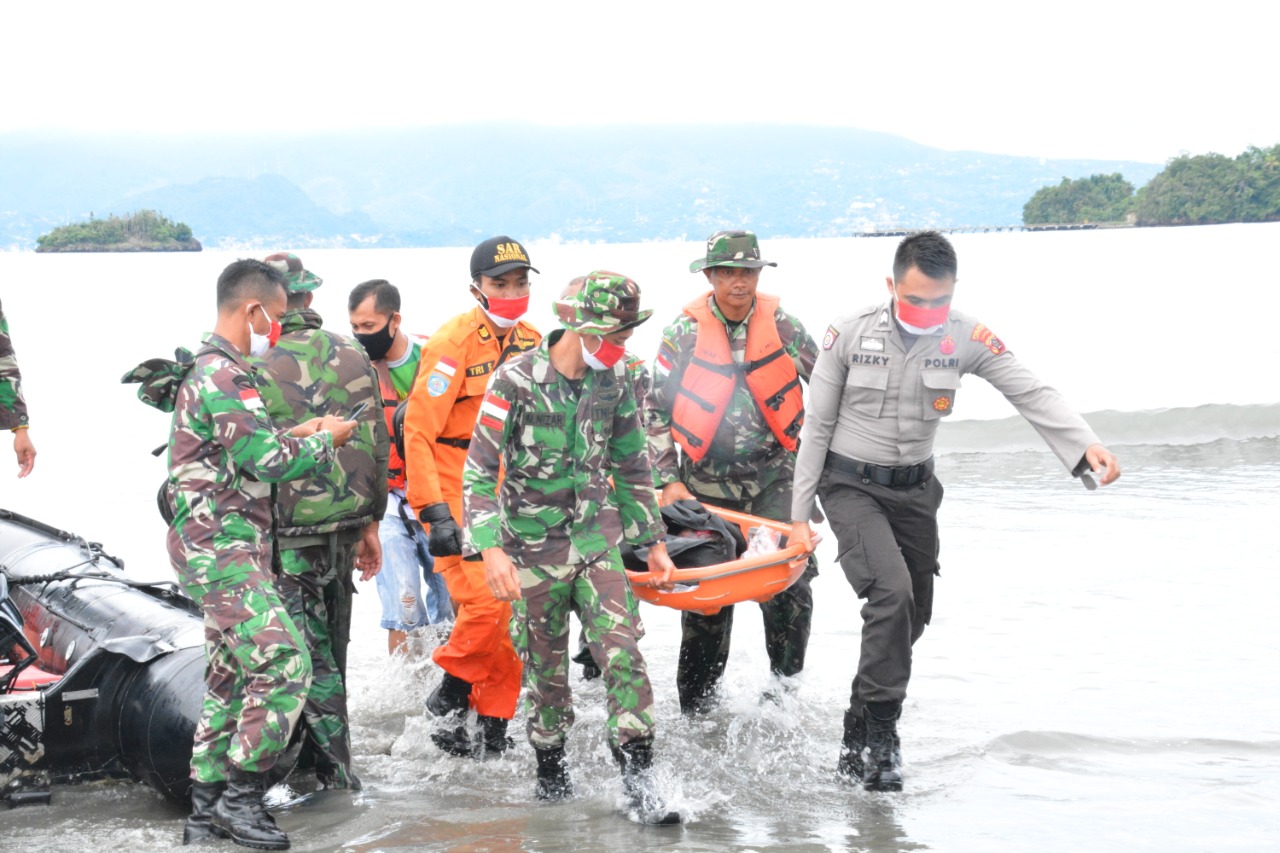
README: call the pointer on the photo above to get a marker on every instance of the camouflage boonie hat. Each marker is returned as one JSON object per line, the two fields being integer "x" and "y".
{"x": 608, "y": 302}
{"x": 298, "y": 279}
{"x": 731, "y": 249}
{"x": 161, "y": 378}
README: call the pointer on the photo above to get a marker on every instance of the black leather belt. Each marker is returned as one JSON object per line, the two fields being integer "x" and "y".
{"x": 463, "y": 443}
{"x": 882, "y": 475}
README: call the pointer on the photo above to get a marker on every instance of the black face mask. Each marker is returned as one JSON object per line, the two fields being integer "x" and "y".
{"x": 377, "y": 344}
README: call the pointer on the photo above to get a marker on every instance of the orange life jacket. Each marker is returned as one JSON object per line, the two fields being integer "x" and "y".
{"x": 395, "y": 464}
{"x": 393, "y": 411}
{"x": 711, "y": 375}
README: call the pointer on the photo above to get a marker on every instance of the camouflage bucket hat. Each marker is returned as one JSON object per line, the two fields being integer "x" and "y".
{"x": 299, "y": 280}
{"x": 608, "y": 302}
{"x": 731, "y": 249}
{"x": 161, "y": 378}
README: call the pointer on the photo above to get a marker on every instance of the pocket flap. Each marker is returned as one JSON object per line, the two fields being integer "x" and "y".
{"x": 941, "y": 379}
{"x": 868, "y": 377}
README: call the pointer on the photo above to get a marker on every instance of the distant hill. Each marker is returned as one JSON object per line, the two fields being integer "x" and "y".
{"x": 454, "y": 185}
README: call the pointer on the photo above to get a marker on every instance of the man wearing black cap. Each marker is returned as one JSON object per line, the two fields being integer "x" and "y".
{"x": 735, "y": 411}
{"x": 481, "y": 670}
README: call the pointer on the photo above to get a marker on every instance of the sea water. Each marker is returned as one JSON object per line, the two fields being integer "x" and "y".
{"x": 1100, "y": 671}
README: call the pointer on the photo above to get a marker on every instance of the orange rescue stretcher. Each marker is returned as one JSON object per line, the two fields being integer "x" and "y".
{"x": 757, "y": 577}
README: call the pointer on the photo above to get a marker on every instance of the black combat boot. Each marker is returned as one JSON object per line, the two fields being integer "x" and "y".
{"x": 455, "y": 739}
{"x": 243, "y": 818}
{"x": 883, "y": 770}
{"x": 204, "y": 796}
{"x": 553, "y": 774}
{"x": 851, "y": 747}
{"x": 590, "y": 671}
{"x": 643, "y": 803}
{"x": 452, "y": 695}
{"x": 451, "y": 701}
{"x": 493, "y": 735}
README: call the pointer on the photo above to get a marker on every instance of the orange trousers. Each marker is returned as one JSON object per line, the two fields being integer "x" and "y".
{"x": 479, "y": 649}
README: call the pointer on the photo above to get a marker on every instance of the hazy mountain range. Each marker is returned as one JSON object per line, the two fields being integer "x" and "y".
{"x": 455, "y": 185}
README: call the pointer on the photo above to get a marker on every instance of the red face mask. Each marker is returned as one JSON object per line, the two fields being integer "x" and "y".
{"x": 922, "y": 318}
{"x": 276, "y": 330}
{"x": 606, "y": 356}
{"x": 510, "y": 310}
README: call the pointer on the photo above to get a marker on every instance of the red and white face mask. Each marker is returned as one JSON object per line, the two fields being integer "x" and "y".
{"x": 918, "y": 320}
{"x": 504, "y": 313}
{"x": 259, "y": 344}
{"x": 606, "y": 355}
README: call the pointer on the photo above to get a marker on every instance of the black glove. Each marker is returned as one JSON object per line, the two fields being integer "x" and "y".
{"x": 445, "y": 537}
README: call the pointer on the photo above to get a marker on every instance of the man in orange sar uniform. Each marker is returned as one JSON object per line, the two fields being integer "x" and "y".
{"x": 481, "y": 669}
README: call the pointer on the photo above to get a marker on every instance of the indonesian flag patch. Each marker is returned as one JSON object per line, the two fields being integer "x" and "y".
{"x": 494, "y": 411}
{"x": 447, "y": 366}
{"x": 666, "y": 350}
{"x": 249, "y": 397}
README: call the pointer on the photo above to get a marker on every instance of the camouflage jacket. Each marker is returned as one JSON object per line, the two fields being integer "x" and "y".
{"x": 743, "y": 437}
{"x": 312, "y": 373}
{"x": 559, "y": 445}
{"x": 224, "y": 453}
{"x": 13, "y": 409}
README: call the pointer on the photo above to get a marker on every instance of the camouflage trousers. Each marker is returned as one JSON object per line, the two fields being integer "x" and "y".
{"x": 705, "y": 640}
{"x": 313, "y": 585}
{"x": 256, "y": 680}
{"x": 601, "y": 596}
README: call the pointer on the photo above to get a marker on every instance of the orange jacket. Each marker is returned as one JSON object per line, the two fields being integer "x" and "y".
{"x": 708, "y": 382}
{"x": 457, "y": 363}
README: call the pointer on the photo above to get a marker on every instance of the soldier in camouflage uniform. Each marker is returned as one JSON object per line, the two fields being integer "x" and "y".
{"x": 639, "y": 377}
{"x": 740, "y": 453}
{"x": 560, "y": 421}
{"x": 13, "y": 409}
{"x": 326, "y": 523}
{"x": 224, "y": 454}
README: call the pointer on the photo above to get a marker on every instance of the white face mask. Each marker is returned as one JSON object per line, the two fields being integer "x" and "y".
{"x": 259, "y": 344}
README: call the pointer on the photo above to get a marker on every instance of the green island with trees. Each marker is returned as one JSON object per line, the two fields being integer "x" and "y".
{"x": 144, "y": 231}
{"x": 1205, "y": 189}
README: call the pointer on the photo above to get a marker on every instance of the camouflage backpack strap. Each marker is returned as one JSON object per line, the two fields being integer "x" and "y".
{"x": 160, "y": 378}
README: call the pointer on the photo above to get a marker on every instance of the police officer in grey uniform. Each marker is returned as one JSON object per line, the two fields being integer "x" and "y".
{"x": 884, "y": 378}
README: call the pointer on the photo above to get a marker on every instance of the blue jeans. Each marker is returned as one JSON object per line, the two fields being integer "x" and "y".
{"x": 407, "y": 567}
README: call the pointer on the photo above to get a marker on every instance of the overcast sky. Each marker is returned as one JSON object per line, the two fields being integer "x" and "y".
{"x": 1115, "y": 80}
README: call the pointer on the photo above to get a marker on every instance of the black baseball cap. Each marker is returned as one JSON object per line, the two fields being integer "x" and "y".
{"x": 497, "y": 255}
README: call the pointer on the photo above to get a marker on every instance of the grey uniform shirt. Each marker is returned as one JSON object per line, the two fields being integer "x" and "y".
{"x": 873, "y": 400}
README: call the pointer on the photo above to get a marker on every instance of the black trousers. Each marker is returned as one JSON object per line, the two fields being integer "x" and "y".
{"x": 704, "y": 640}
{"x": 888, "y": 547}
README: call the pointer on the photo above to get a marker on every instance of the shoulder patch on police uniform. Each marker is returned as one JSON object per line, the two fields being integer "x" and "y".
{"x": 829, "y": 339}
{"x": 987, "y": 338}
{"x": 871, "y": 344}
